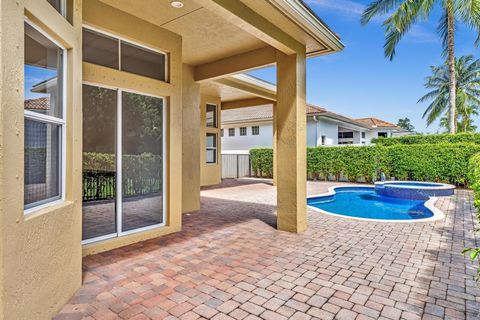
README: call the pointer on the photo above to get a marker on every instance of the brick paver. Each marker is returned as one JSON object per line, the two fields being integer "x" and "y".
{"x": 230, "y": 262}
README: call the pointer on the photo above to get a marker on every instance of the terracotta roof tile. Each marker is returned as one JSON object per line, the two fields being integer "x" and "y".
{"x": 42, "y": 103}
{"x": 374, "y": 122}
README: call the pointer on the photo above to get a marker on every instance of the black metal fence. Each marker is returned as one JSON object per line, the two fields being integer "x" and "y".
{"x": 101, "y": 185}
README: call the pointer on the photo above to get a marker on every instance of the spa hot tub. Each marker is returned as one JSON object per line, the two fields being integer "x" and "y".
{"x": 413, "y": 190}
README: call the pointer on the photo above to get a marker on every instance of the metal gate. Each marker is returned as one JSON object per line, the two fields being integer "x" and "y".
{"x": 235, "y": 164}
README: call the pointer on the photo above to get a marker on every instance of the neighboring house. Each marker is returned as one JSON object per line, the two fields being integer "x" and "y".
{"x": 247, "y": 128}
{"x": 110, "y": 123}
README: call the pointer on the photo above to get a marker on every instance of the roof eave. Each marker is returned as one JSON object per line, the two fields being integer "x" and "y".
{"x": 304, "y": 17}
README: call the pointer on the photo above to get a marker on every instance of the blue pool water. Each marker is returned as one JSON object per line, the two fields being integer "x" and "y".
{"x": 366, "y": 203}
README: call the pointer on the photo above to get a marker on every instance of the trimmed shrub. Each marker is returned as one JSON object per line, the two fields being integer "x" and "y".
{"x": 430, "y": 139}
{"x": 445, "y": 162}
{"x": 262, "y": 162}
{"x": 474, "y": 177}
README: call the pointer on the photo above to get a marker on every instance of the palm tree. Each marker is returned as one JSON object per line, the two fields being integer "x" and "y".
{"x": 408, "y": 12}
{"x": 467, "y": 73}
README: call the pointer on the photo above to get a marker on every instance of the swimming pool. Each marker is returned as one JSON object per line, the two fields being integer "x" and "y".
{"x": 366, "y": 203}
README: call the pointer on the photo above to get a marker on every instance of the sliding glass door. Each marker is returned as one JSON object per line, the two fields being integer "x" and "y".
{"x": 142, "y": 161}
{"x": 123, "y": 162}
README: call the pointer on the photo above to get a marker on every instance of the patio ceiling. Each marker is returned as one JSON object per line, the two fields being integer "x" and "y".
{"x": 211, "y": 32}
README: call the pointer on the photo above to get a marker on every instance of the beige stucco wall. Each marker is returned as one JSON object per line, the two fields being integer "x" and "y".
{"x": 210, "y": 174}
{"x": 191, "y": 136}
{"x": 40, "y": 252}
{"x": 129, "y": 27}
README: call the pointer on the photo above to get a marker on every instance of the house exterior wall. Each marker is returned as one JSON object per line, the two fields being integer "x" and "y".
{"x": 127, "y": 26}
{"x": 311, "y": 133}
{"x": 329, "y": 129}
{"x": 190, "y": 138}
{"x": 41, "y": 254}
{"x": 315, "y": 130}
{"x": 210, "y": 173}
{"x": 237, "y": 142}
{"x": 373, "y": 134}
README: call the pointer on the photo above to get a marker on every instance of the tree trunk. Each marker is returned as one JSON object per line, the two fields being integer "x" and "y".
{"x": 451, "y": 69}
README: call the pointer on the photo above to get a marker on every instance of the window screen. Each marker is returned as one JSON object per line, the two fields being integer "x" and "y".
{"x": 142, "y": 61}
{"x": 100, "y": 49}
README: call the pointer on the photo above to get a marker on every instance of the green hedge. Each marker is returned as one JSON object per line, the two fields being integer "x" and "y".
{"x": 145, "y": 164}
{"x": 430, "y": 139}
{"x": 445, "y": 162}
{"x": 262, "y": 162}
{"x": 474, "y": 178}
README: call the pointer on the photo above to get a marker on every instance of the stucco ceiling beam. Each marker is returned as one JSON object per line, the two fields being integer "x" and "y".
{"x": 235, "y": 64}
{"x": 254, "y": 23}
{"x": 228, "y": 105}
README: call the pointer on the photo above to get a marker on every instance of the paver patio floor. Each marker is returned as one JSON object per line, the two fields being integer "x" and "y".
{"x": 230, "y": 262}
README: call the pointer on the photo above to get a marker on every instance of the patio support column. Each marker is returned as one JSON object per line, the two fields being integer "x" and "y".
{"x": 291, "y": 142}
{"x": 274, "y": 143}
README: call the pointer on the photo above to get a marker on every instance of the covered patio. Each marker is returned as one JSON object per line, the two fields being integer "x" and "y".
{"x": 230, "y": 262}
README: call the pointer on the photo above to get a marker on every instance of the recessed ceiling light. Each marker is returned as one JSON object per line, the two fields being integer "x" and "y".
{"x": 177, "y": 4}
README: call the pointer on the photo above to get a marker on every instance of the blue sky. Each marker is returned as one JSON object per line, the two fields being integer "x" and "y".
{"x": 360, "y": 81}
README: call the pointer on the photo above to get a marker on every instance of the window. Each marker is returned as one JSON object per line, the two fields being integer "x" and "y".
{"x": 363, "y": 135}
{"x": 345, "y": 135}
{"x": 221, "y": 132}
{"x": 61, "y": 7}
{"x": 255, "y": 130}
{"x": 345, "y": 142}
{"x": 211, "y": 148}
{"x": 211, "y": 116}
{"x": 324, "y": 139}
{"x": 100, "y": 49}
{"x": 383, "y": 134}
{"x": 44, "y": 118}
{"x": 243, "y": 131}
{"x": 231, "y": 132}
{"x": 111, "y": 52}
{"x": 142, "y": 61}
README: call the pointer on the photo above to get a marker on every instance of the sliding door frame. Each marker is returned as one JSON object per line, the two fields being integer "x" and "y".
{"x": 118, "y": 163}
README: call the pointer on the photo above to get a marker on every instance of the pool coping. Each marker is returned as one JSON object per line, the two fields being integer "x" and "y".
{"x": 429, "y": 204}
{"x": 398, "y": 184}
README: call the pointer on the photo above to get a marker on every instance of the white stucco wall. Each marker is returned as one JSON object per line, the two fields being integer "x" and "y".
{"x": 238, "y": 142}
{"x": 329, "y": 129}
{"x": 373, "y": 133}
{"x": 315, "y": 131}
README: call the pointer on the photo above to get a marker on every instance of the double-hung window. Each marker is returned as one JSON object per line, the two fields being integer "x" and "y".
{"x": 243, "y": 131}
{"x": 211, "y": 148}
{"x": 44, "y": 112}
{"x": 255, "y": 130}
{"x": 231, "y": 132}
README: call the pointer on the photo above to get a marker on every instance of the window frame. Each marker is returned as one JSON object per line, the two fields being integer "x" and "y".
{"x": 61, "y": 122}
{"x": 207, "y": 148}
{"x": 258, "y": 131}
{"x": 135, "y": 43}
{"x": 231, "y": 130}
{"x": 244, "y": 129}
{"x": 215, "y": 115}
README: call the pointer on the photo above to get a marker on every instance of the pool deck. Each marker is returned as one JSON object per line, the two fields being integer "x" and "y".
{"x": 230, "y": 262}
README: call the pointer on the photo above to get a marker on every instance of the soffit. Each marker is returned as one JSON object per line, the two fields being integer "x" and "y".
{"x": 226, "y": 93}
{"x": 206, "y": 36}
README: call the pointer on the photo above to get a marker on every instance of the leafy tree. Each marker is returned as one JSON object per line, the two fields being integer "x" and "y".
{"x": 467, "y": 92}
{"x": 405, "y": 124}
{"x": 405, "y": 13}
